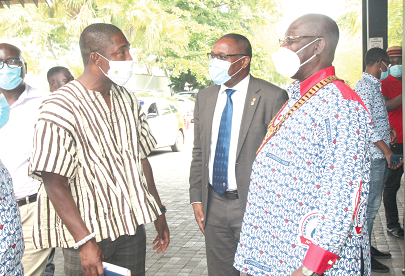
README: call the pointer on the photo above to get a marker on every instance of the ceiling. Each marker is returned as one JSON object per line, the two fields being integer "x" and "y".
{"x": 9, "y": 3}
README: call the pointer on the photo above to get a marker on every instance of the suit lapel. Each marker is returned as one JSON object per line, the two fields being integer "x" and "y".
{"x": 248, "y": 111}
{"x": 209, "y": 115}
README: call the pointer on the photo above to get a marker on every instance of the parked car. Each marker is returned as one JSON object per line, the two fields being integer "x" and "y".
{"x": 190, "y": 94}
{"x": 186, "y": 108}
{"x": 165, "y": 122}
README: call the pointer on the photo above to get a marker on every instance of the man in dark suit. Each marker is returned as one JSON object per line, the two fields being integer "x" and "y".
{"x": 230, "y": 122}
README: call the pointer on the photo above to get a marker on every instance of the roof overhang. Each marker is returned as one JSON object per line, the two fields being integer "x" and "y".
{"x": 9, "y": 3}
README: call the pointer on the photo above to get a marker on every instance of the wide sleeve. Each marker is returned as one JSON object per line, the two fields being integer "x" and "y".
{"x": 343, "y": 172}
{"x": 54, "y": 151}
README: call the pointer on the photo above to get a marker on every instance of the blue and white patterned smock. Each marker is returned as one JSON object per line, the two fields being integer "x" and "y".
{"x": 309, "y": 186}
{"x": 369, "y": 90}
{"x": 11, "y": 235}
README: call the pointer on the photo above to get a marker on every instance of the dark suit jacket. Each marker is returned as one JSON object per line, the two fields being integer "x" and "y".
{"x": 255, "y": 119}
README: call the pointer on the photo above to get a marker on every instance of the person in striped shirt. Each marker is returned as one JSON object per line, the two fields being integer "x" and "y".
{"x": 90, "y": 151}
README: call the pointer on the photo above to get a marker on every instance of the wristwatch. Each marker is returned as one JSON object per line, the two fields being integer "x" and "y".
{"x": 163, "y": 209}
{"x": 308, "y": 272}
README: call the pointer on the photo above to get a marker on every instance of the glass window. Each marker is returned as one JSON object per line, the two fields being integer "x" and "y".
{"x": 152, "y": 108}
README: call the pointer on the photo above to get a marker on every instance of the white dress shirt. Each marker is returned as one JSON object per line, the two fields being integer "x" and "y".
{"x": 16, "y": 140}
{"x": 238, "y": 100}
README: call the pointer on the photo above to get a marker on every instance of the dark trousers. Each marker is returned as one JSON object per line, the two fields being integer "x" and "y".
{"x": 222, "y": 229}
{"x": 126, "y": 251}
{"x": 391, "y": 188}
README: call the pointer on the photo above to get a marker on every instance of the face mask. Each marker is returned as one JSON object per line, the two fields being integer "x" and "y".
{"x": 219, "y": 70}
{"x": 4, "y": 111}
{"x": 287, "y": 62}
{"x": 120, "y": 71}
{"x": 396, "y": 71}
{"x": 385, "y": 74}
{"x": 10, "y": 77}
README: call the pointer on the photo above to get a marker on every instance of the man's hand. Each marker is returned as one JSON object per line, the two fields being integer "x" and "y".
{"x": 298, "y": 272}
{"x": 163, "y": 234}
{"x": 199, "y": 215}
{"x": 91, "y": 257}
{"x": 393, "y": 136}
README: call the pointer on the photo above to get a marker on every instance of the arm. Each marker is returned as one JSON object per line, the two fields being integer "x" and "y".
{"x": 163, "y": 237}
{"x": 387, "y": 152}
{"x": 279, "y": 102}
{"x": 393, "y": 103}
{"x": 58, "y": 191}
{"x": 345, "y": 139}
{"x": 196, "y": 171}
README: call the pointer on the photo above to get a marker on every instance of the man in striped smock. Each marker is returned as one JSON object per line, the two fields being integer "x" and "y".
{"x": 90, "y": 150}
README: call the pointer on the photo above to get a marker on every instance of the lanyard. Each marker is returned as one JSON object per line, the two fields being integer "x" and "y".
{"x": 272, "y": 129}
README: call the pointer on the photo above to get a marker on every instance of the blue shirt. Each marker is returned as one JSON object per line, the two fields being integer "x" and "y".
{"x": 369, "y": 90}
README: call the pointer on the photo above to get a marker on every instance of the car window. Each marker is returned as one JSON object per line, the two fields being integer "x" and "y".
{"x": 166, "y": 109}
{"x": 152, "y": 108}
{"x": 174, "y": 109}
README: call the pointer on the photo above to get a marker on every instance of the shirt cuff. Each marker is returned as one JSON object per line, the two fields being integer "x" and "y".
{"x": 195, "y": 202}
{"x": 318, "y": 259}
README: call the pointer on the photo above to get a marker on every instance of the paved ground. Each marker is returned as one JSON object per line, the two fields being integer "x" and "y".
{"x": 186, "y": 252}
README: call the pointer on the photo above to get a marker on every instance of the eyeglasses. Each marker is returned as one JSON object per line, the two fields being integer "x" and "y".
{"x": 222, "y": 56}
{"x": 12, "y": 63}
{"x": 290, "y": 39}
{"x": 386, "y": 63}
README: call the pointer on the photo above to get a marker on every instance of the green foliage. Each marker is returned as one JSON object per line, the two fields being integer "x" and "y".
{"x": 395, "y": 22}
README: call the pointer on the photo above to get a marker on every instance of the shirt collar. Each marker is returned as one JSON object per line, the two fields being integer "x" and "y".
{"x": 371, "y": 78}
{"x": 315, "y": 78}
{"x": 242, "y": 86}
{"x": 29, "y": 93}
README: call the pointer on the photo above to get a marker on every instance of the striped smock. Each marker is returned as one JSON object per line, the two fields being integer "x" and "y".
{"x": 100, "y": 151}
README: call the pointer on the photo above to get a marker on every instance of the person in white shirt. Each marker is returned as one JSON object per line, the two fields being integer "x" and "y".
{"x": 15, "y": 147}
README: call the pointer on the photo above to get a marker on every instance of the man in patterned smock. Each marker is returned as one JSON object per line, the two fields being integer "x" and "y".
{"x": 305, "y": 213}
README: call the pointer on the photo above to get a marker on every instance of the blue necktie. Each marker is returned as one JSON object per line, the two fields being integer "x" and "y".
{"x": 221, "y": 160}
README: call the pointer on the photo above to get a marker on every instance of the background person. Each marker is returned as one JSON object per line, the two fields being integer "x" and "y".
{"x": 391, "y": 88}
{"x": 15, "y": 148}
{"x": 369, "y": 90}
{"x": 230, "y": 119}
{"x": 58, "y": 76}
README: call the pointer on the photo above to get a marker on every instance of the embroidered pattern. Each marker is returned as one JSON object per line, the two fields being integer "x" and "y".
{"x": 325, "y": 142}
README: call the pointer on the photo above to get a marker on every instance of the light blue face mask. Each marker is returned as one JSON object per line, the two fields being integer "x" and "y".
{"x": 219, "y": 70}
{"x": 4, "y": 111}
{"x": 396, "y": 71}
{"x": 385, "y": 74}
{"x": 10, "y": 78}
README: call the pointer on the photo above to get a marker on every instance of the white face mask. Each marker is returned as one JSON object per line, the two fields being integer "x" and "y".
{"x": 120, "y": 70}
{"x": 287, "y": 62}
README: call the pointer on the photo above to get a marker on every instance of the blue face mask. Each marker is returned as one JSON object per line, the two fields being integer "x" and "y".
{"x": 4, "y": 111}
{"x": 219, "y": 70}
{"x": 10, "y": 78}
{"x": 385, "y": 74}
{"x": 396, "y": 71}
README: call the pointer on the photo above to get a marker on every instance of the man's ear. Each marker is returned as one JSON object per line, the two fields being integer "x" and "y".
{"x": 246, "y": 61}
{"x": 320, "y": 46}
{"x": 95, "y": 58}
